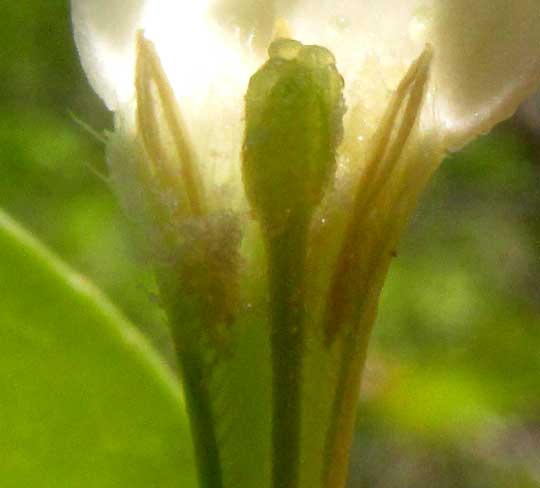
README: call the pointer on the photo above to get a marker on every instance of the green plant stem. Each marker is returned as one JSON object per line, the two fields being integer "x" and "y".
{"x": 287, "y": 255}
{"x": 202, "y": 421}
{"x": 183, "y": 320}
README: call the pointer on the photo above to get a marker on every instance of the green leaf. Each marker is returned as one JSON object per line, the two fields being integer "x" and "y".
{"x": 84, "y": 400}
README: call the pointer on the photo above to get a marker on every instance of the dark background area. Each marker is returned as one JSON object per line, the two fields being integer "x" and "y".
{"x": 451, "y": 396}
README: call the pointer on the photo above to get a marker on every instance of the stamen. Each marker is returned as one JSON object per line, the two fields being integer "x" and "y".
{"x": 148, "y": 123}
{"x": 378, "y": 168}
{"x": 150, "y": 73}
{"x": 367, "y": 251}
{"x": 363, "y": 255}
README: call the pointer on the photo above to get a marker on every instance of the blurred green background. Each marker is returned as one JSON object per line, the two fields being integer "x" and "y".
{"x": 451, "y": 396}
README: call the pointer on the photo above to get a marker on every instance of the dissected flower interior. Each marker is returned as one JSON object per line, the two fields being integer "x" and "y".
{"x": 273, "y": 152}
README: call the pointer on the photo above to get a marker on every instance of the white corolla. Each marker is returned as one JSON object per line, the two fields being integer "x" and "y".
{"x": 486, "y": 59}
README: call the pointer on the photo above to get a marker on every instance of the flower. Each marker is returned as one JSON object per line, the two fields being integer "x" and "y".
{"x": 202, "y": 161}
{"x": 485, "y": 62}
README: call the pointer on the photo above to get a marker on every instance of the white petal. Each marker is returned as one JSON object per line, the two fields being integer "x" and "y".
{"x": 201, "y": 56}
{"x": 487, "y": 61}
{"x": 373, "y": 46}
{"x": 198, "y": 42}
{"x": 104, "y": 32}
{"x": 253, "y": 19}
{"x": 487, "y": 52}
{"x": 356, "y": 29}
{"x": 208, "y": 61}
